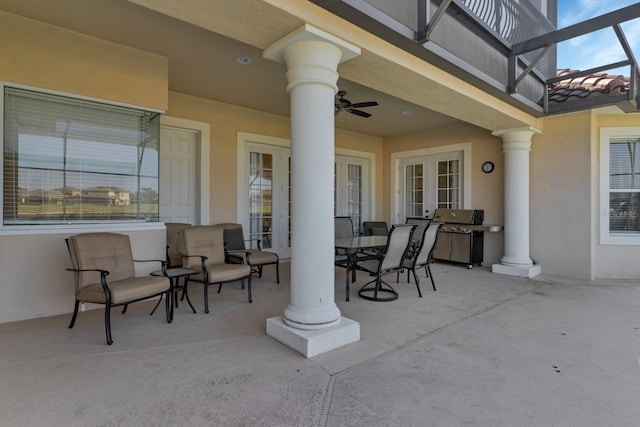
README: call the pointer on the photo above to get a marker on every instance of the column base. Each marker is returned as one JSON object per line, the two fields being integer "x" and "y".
{"x": 313, "y": 342}
{"x": 519, "y": 271}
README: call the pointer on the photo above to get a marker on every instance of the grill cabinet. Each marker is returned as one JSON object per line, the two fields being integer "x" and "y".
{"x": 461, "y": 237}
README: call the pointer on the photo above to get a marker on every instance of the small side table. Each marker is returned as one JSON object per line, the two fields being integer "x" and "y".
{"x": 174, "y": 275}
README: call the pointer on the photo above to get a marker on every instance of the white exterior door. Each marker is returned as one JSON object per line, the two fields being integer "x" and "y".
{"x": 351, "y": 185}
{"x": 178, "y": 175}
{"x": 267, "y": 190}
{"x": 430, "y": 182}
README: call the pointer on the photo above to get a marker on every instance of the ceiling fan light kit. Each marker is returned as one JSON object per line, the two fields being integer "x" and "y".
{"x": 343, "y": 104}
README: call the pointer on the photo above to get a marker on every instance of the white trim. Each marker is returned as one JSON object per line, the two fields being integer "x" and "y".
{"x": 204, "y": 168}
{"x": 606, "y": 238}
{"x": 27, "y": 230}
{"x": 394, "y": 198}
{"x": 76, "y": 96}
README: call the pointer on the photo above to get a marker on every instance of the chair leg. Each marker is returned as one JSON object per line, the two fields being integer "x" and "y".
{"x": 415, "y": 276}
{"x": 75, "y": 314}
{"x": 168, "y": 304}
{"x": 259, "y": 271}
{"x": 278, "y": 272}
{"x": 206, "y": 297}
{"x": 431, "y": 277}
{"x": 220, "y": 286}
{"x": 107, "y": 321}
{"x": 124, "y": 309}
{"x": 249, "y": 288}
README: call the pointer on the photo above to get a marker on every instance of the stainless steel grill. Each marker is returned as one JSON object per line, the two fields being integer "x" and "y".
{"x": 461, "y": 237}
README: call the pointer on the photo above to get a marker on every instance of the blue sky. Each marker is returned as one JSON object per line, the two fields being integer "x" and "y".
{"x": 598, "y": 48}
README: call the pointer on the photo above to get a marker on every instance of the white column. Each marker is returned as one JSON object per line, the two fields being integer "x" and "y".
{"x": 516, "y": 144}
{"x": 312, "y": 323}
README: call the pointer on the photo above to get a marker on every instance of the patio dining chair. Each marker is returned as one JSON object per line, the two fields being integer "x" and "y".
{"x": 375, "y": 228}
{"x": 420, "y": 254}
{"x": 203, "y": 252}
{"x": 398, "y": 243}
{"x": 104, "y": 273}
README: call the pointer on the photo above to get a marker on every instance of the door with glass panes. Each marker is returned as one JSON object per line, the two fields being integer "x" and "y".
{"x": 267, "y": 189}
{"x": 428, "y": 183}
{"x": 351, "y": 185}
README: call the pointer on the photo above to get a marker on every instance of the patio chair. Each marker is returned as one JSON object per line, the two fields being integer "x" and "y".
{"x": 237, "y": 253}
{"x": 421, "y": 223}
{"x": 397, "y": 245}
{"x": 174, "y": 241}
{"x": 375, "y": 228}
{"x": 343, "y": 227}
{"x": 203, "y": 251}
{"x": 104, "y": 273}
{"x": 420, "y": 255}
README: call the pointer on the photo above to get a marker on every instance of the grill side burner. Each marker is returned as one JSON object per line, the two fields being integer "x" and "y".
{"x": 461, "y": 237}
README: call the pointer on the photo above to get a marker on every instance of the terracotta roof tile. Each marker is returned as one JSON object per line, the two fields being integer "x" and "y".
{"x": 589, "y": 86}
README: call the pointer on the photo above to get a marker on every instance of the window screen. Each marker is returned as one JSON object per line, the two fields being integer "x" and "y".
{"x": 68, "y": 160}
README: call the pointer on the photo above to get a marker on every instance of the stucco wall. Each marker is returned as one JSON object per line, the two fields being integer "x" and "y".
{"x": 33, "y": 280}
{"x": 44, "y": 56}
{"x": 560, "y": 196}
{"x": 487, "y": 190}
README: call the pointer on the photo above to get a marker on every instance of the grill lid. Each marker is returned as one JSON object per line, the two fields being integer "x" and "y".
{"x": 459, "y": 216}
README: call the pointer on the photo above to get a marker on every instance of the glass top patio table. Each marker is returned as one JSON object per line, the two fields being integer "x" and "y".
{"x": 355, "y": 244}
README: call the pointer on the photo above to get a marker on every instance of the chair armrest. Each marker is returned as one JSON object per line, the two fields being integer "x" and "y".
{"x": 258, "y": 242}
{"x": 103, "y": 278}
{"x": 163, "y": 263}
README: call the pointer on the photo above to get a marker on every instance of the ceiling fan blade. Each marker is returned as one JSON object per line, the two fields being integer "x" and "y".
{"x": 364, "y": 104}
{"x": 359, "y": 113}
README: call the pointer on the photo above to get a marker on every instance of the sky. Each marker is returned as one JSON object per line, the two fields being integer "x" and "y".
{"x": 597, "y": 48}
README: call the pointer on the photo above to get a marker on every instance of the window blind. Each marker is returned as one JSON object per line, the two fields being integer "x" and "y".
{"x": 69, "y": 160}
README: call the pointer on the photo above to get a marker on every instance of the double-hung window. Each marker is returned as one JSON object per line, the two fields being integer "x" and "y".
{"x": 620, "y": 186}
{"x": 76, "y": 161}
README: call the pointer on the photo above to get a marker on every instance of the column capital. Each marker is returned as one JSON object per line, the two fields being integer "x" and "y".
{"x": 516, "y": 138}
{"x": 307, "y": 33}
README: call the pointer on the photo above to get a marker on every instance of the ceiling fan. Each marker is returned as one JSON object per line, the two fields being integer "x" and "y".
{"x": 343, "y": 104}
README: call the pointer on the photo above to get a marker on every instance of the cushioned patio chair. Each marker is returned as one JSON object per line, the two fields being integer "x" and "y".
{"x": 238, "y": 253}
{"x": 104, "y": 273}
{"x": 203, "y": 251}
{"x": 174, "y": 241}
{"x": 398, "y": 243}
{"x": 420, "y": 255}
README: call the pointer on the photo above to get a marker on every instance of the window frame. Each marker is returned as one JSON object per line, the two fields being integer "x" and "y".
{"x": 73, "y": 227}
{"x": 606, "y": 237}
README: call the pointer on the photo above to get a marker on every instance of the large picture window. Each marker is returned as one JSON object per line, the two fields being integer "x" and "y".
{"x": 620, "y": 179}
{"x": 73, "y": 161}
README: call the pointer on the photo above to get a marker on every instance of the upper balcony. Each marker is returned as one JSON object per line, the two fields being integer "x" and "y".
{"x": 504, "y": 47}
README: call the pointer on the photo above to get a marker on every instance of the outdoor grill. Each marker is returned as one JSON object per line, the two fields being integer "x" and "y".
{"x": 461, "y": 237}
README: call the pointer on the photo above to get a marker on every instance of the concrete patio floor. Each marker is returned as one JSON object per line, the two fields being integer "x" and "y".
{"x": 484, "y": 350}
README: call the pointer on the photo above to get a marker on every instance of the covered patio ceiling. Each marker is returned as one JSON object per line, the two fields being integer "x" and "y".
{"x": 203, "y": 39}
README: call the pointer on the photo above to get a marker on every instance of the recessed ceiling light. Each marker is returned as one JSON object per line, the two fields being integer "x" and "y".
{"x": 243, "y": 60}
{"x": 407, "y": 112}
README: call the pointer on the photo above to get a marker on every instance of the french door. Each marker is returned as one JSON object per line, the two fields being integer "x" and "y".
{"x": 351, "y": 189}
{"x": 265, "y": 193}
{"x": 269, "y": 191}
{"x": 430, "y": 182}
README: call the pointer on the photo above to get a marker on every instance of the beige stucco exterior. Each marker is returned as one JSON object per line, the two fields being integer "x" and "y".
{"x": 564, "y": 191}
